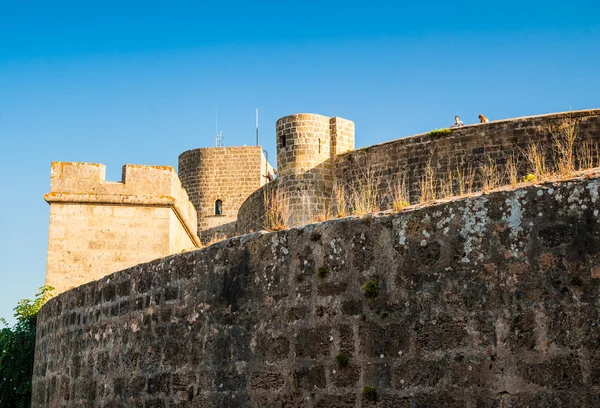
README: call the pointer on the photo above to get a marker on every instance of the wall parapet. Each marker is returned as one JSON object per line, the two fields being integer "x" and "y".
{"x": 462, "y": 150}
{"x": 152, "y": 186}
{"x": 451, "y": 163}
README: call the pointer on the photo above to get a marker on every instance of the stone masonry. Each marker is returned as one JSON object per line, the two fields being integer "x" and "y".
{"x": 229, "y": 174}
{"x": 307, "y": 145}
{"x": 309, "y": 163}
{"x": 98, "y": 227}
{"x": 488, "y": 301}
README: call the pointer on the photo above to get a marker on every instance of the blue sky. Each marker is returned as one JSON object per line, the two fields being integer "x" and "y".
{"x": 137, "y": 82}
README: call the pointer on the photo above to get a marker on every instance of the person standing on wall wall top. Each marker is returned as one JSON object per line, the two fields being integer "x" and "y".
{"x": 457, "y": 122}
{"x": 271, "y": 174}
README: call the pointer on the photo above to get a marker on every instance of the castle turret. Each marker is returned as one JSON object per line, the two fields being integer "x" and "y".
{"x": 307, "y": 145}
{"x": 218, "y": 180}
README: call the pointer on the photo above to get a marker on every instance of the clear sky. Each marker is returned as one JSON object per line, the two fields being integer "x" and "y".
{"x": 118, "y": 82}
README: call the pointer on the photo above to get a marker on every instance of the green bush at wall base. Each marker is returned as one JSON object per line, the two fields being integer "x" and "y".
{"x": 17, "y": 346}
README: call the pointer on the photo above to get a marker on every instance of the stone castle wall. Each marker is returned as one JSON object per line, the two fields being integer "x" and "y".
{"x": 229, "y": 174}
{"x": 98, "y": 227}
{"x": 489, "y": 301}
{"x": 464, "y": 151}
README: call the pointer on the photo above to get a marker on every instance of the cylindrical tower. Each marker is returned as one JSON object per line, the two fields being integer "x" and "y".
{"x": 306, "y": 147}
{"x": 218, "y": 180}
{"x": 303, "y": 142}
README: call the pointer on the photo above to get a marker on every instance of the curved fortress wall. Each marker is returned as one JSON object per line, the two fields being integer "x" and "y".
{"x": 228, "y": 174}
{"x": 461, "y": 153}
{"x": 98, "y": 227}
{"x": 486, "y": 301}
{"x": 465, "y": 150}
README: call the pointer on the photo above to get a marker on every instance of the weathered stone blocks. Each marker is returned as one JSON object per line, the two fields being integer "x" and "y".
{"x": 495, "y": 321}
{"x": 97, "y": 226}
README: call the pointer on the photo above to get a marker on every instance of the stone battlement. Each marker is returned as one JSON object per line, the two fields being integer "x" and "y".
{"x": 99, "y": 226}
{"x": 75, "y": 182}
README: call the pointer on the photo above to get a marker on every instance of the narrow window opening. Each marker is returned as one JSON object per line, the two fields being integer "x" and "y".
{"x": 218, "y": 207}
{"x": 282, "y": 140}
{"x": 319, "y": 145}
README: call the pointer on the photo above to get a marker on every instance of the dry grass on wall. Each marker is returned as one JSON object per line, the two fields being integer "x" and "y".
{"x": 363, "y": 196}
{"x": 489, "y": 175}
{"x": 428, "y": 184}
{"x": 465, "y": 177}
{"x": 277, "y": 209}
{"x": 339, "y": 201}
{"x": 512, "y": 170}
{"x": 587, "y": 156}
{"x": 563, "y": 146}
{"x": 400, "y": 196}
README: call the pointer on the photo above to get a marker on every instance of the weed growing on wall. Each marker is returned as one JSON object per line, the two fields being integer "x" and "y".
{"x": 489, "y": 175}
{"x": 371, "y": 289}
{"x": 587, "y": 156}
{"x": 323, "y": 272}
{"x": 370, "y": 393}
{"x": 400, "y": 195}
{"x": 339, "y": 201}
{"x": 528, "y": 178}
{"x": 446, "y": 185}
{"x": 17, "y": 346}
{"x": 277, "y": 212}
{"x": 440, "y": 132}
{"x": 512, "y": 170}
{"x": 342, "y": 359}
{"x": 428, "y": 184}
{"x": 465, "y": 177}
{"x": 537, "y": 161}
{"x": 363, "y": 196}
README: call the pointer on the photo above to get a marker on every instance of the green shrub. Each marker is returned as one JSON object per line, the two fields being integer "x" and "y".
{"x": 342, "y": 359}
{"x": 323, "y": 272}
{"x": 370, "y": 393}
{"x": 528, "y": 177}
{"x": 371, "y": 289}
{"x": 440, "y": 132}
{"x": 17, "y": 351}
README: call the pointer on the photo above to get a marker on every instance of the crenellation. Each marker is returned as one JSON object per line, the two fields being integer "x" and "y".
{"x": 98, "y": 226}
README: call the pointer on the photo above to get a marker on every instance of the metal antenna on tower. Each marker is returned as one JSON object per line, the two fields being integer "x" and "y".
{"x": 257, "y": 126}
{"x": 218, "y": 135}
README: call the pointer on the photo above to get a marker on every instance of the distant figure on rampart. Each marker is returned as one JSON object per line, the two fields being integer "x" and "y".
{"x": 483, "y": 119}
{"x": 271, "y": 174}
{"x": 457, "y": 122}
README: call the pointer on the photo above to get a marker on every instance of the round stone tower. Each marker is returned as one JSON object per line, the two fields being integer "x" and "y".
{"x": 218, "y": 180}
{"x": 306, "y": 148}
